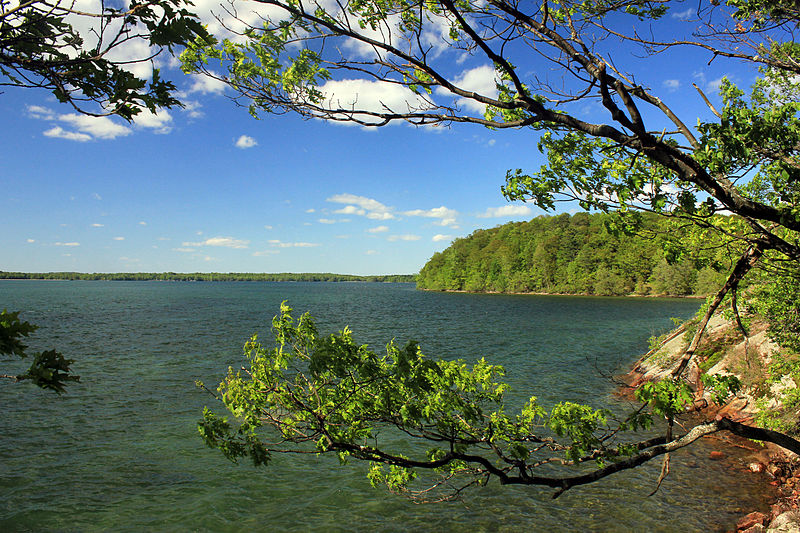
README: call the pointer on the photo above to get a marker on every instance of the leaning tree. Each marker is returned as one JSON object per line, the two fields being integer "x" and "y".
{"x": 375, "y": 62}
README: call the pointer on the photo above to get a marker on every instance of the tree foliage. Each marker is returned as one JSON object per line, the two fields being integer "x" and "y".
{"x": 429, "y": 428}
{"x": 628, "y": 151}
{"x": 49, "y": 369}
{"x": 83, "y": 53}
{"x": 580, "y": 254}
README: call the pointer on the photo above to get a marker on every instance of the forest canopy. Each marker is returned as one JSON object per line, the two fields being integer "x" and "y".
{"x": 577, "y": 254}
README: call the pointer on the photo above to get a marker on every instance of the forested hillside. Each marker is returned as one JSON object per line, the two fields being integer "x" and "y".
{"x": 576, "y": 254}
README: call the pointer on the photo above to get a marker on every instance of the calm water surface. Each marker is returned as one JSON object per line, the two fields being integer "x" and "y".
{"x": 121, "y": 451}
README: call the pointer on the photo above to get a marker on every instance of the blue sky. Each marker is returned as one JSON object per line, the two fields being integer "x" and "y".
{"x": 209, "y": 188}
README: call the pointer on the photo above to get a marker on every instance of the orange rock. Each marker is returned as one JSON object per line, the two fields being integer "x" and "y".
{"x": 715, "y": 455}
{"x": 754, "y": 518}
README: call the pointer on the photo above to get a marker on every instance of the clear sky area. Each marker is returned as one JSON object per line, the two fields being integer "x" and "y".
{"x": 210, "y": 188}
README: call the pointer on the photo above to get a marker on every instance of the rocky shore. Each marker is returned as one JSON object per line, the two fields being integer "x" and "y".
{"x": 726, "y": 349}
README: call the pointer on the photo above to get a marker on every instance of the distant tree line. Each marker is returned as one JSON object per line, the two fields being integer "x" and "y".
{"x": 580, "y": 254}
{"x": 202, "y": 276}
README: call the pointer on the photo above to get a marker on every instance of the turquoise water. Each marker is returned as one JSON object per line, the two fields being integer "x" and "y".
{"x": 121, "y": 451}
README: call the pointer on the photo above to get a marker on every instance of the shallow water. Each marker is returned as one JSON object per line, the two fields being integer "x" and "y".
{"x": 121, "y": 451}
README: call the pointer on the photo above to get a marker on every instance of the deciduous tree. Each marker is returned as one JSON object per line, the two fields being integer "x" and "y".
{"x": 548, "y": 59}
{"x": 85, "y": 52}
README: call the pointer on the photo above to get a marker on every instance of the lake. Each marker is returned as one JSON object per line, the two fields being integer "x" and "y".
{"x": 120, "y": 451}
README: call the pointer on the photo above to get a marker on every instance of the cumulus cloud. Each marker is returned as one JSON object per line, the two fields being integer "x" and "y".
{"x": 362, "y": 206}
{"x": 506, "y": 211}
{"x": 31, "y": 240}
{"x": 159, "y": 122}
{"x": 447, "y": 216}
{"x": 246, "y": 141}
{"x": 672, "y": 85}
{"x": 77, "y": 127}
{"x": 57, "y": 132}
{"x": 406, "y": 237}
{"x": 67, "y": 244}
{"x": 227, "y": 242}
{"x": 262, "y": 253}
{"x": 184, "y": 250}
{"x": 281, "y": 244}
{"x": 83, "y": 128}
{"x": 351, "y": 210}
{"x": 98, "y": 225}
{"x": 481, "y": 80}
{"x": 440, "y": 238}
{"x": 206, "y": 85}
{"x": 326, "y": 221}
{"x": 378, "y": 229}
{"x": 98, "y": 127}
{"x": 356, "y": 98}
{"x": 119, "y": 238}
{"x": 685, "y": 14}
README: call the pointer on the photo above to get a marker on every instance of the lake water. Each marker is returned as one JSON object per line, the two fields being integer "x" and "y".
{"x": 121, "y": 450}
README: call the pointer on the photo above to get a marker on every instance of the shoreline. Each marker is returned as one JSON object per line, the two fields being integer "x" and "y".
{"x": 779, "y": 469}
{"x": 586, "y": 294}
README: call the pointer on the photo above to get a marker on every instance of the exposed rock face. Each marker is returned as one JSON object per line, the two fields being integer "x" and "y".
{"x": 725, "y": 350}
{"x": 788, "y": 522}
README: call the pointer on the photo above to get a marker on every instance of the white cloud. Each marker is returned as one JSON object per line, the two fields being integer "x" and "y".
{"x": 672, "y": 85}
{"x": 440, "y": 238}
{"x": 98, "y": 225}
{"x": 41, "y": 113}
{"x": 31, "y": 240}
{"x": 96, "y": 196}
{"x": 378, "y": 229}
{"x": 142, "y": 223}
{"x": 371, "y": 252}
{"x": 159, "y": 122}
{"x": 481, "y": 80}
{"x": 227, "y": 242}
{"x": 350, "y": 210}
{"x": 97, "y": 127}
{"x": 206, "y": 85}
{"x": 193, "y": 108}
{"x": 326, "y": 221}
{"x": 267, "y": 227}
{"x": 353, "y": 97}
{"x": 683, "y": 15}
{"x": 394, "y": 238}
{"x": 506, "y": 211}
{"x": 280, "y": 244}
{"x": 245, "y": 141}
{"x": 447, "y": 216}
{"x": 119, "y": 238}
{"x": 362, "y": 206}
{"x": 184, "y": 250}
{"x": 262, "y": 253}
{"x": 67, "y": 244}
{"x": 312, "y": 210}
{"x": 57, "y": 132}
